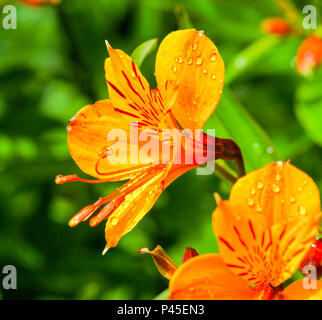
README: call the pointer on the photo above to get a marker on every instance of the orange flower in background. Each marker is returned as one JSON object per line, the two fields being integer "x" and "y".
{"x": 40, "y": 2}
{"x": 189, "y": 73}
{"x": 276, "y": 26}
{"x": 264, "y": 232}
{"x": 309, "y": 55}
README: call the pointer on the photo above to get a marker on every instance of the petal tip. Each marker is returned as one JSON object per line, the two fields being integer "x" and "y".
{"x": 104, "y": 251}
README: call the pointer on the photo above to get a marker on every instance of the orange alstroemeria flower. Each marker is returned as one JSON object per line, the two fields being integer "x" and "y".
{"x": 309, "y": 54}
{"x": 276, "y": 26}
{"x": 189, "y": 72}
{"x": 264, "y": 232}
{"x": 40, "y": 2}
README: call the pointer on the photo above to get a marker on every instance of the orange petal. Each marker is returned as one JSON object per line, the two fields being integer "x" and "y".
{"x": 191, "y": 61}
{"x": 276, "y": 26}
{"x": 163, "y": 262}
{"x": 206, "y": 277}
{"x": 297, "y": 291}
{"x": 135, "y": 205}
{"x": 261, "y": 237}
{"x": 277, "y": 192}
{"x": 309, "y": 55}
{"x": 131, "y": 93}
{"x": 88, "y": 145}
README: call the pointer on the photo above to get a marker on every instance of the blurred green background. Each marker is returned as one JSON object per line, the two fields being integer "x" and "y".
{"x": 52, "y": 65}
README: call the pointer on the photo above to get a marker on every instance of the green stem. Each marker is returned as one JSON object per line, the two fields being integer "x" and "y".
{"x": 223, "y": 173}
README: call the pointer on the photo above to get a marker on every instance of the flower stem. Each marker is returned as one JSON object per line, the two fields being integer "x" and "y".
{"x": 227, "y": 149}
{"x": 222, "y": 172}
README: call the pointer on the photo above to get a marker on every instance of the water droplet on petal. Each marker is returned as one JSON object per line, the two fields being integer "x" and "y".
{"x": 260, "y": 185}
{"x": 213, "y": 57}
{"x": 174, "y": 69}
{"x": 194, "y": 46}
{"x": 299, "y": 189}
{"x": 114, "y": 221}
{"x": 180, "y": 60}
{"x": 302, "y": 210}
{"x": 292, "y": 199}
{"x": 250, "y": 202}
{"x": 199, "y": 61}
{"x": 275, "y": 188}
{"x": 190, "y": 61}
{"x": 252, "y": 191}
{"x": 259, "y": 208}
{"x": 213, "y": 77}
{"x": 278, "y": 177}
{"x": 205, "y": 71}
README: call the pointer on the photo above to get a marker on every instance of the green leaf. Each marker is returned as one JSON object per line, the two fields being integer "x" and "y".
{"x": 250, "y": 56}
{"x": 308, "y": 107}
{"x": 162, "y": 295}
{"x": 182, "y": 17}
{"x": 232, "y": 121}
{"x": 143, "y": 50}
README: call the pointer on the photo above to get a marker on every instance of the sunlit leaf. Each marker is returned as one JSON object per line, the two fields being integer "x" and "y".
{"x": 143, "y": 50}
{"x": 308, "y": 107}
{"x": 250, "y": 56}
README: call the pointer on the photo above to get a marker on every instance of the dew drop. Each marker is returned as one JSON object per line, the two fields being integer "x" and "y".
{"x": 292, "y": 199}
{"x": 69, "y": 128}
{"x": 194, "y": 46}
{"x": 213, "y": 77}
{"x": 133, "y": 74}
{"x": 259, "y": 208}
{"x": 199, "y": 61}
{"x": 190, "y": 61}
{"x": 176, "y": 60}
{"x": 260, "y": 185}
{"x": 180, "y": 60}
{"x": 275, "y": 188}
{"x": 174, "y": 69}
{"x": 305, "y": 182}
{"x": 221, "y": 81}
{"x": 250, "y": 202}
{"x": 278, "y": 177}
{"x": 299, "y": 189}
{"x": 213, "y": 57}
{"x": 252, "y": 191}
{"x": 301, "y": 210}
{"x": 114, "y": 221}
{"x": 205, "y": 71}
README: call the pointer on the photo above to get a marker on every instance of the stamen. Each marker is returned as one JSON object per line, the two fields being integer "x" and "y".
{"x": 60, "y": 179}
{"x": 106, "y": 211}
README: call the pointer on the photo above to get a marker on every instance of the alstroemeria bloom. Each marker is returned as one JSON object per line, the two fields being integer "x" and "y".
{"x": 264, "y": 232}
{"x": 276, "y": 26}
{"x": 40, "y": 2}
{"x": 309, "y": 54}
{"x": 189, "y": 72}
